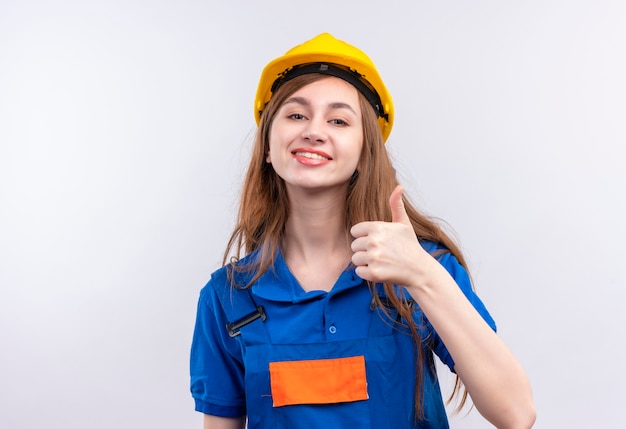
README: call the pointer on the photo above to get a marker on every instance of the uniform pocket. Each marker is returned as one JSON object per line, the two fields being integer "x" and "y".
{"x": 319, "y": 381}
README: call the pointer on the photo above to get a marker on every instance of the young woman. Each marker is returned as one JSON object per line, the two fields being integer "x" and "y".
{"x": 336, "y": 293}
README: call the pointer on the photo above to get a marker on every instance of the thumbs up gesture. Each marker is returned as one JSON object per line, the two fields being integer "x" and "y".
{"x": 398, "y": 213}
{"x": 388, "y": 251}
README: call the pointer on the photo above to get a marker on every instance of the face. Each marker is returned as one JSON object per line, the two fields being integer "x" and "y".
{"x": 316, "y": 137}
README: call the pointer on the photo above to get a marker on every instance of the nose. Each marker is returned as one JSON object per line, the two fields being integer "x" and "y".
{"x": 314, "y": 132}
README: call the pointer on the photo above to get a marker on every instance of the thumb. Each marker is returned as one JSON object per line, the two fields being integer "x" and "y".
{"x": 398, "y": 212}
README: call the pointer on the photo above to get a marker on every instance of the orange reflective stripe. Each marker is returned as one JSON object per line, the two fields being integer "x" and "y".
{"x": 324, "y": 381}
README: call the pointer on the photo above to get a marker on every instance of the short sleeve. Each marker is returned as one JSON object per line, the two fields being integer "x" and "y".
{"x": 460, "y": 275}
{"x": 216, "y": 364}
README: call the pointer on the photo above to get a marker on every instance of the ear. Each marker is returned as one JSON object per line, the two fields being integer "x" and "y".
{"x": 268, "y": 159}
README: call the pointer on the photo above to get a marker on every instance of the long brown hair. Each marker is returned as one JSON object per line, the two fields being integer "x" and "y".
{"x": 264, "y": 209}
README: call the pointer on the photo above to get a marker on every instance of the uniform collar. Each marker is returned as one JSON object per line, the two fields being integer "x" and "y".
{"x": 279, "y": 284}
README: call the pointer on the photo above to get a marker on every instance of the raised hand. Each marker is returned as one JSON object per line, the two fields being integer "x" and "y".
{"x": 387, "y": 251}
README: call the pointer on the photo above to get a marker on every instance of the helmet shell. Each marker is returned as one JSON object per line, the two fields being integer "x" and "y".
{"x": 324, "y": 48}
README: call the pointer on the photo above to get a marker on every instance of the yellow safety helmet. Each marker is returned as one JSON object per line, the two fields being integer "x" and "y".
{"x": 328, "y": 55}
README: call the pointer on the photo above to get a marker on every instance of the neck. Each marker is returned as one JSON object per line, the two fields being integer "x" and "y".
{"x": 316, "y": 245}
{"x": 316, "y": 226}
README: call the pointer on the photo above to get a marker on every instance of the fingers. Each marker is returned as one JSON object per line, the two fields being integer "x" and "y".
{"x": 360, "y": 259}
{"x": 359, "y": 230}
{"x": 379, "y": 247}
{"x": 398, "y": 212}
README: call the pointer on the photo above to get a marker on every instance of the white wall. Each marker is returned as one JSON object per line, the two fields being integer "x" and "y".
{"x": 125, "y": 127}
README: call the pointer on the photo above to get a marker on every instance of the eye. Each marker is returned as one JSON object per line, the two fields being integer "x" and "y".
{"x": 296, "y": 116}
{"x": 340, "y": 122}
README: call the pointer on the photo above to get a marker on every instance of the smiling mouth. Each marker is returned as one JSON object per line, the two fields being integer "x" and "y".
{"x": 311, "y": 156}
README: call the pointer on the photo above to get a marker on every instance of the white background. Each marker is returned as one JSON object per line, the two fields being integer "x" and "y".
{"x": 125, "y": 127}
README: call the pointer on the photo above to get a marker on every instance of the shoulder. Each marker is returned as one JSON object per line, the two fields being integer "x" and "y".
{"x": 445, "y": 257}
{"x": 450, "y": 262}
{"x": 238, "y": 272}
{"x": 226, "y": 293}
{"x": 460, "y": 276}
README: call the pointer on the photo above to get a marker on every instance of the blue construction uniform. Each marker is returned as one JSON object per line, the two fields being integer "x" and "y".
{"x": 230, "y": 375}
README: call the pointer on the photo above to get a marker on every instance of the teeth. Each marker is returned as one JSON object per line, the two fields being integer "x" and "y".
{"x": 310, "y": 155}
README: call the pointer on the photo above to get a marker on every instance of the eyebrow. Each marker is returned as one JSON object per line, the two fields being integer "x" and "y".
{"x": 334, "y": 105}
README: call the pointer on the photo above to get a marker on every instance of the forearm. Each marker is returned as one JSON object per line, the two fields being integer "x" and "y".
{"x": 214, "y": 422}
{"x": 493, "y": 377}
{"x": 389, "y": 252}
